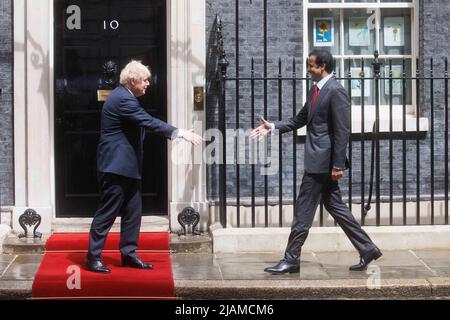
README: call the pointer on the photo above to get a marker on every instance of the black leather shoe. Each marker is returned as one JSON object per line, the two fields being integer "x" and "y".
{"x": 96, "y": 265}
{"x": 374, "y": 254}
{"x": 135, "y": 262}
{"x": 283, "y": 267}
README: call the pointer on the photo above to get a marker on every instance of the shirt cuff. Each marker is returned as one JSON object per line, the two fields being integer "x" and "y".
{"x": 272, "y": 128}
{"x": 177, "y": 133}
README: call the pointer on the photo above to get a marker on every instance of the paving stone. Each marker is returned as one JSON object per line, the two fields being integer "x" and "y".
{"x": 268, "y": 258}
{"x": 3, "y": 266}
{"x": 346, "y": 259}
{"x": 24, "y": 267}
{"x": 442, "y": 271}
{"x": 434, "y": 258}
{"x": 7, "y": 258}
{"x": 195, "y": 266}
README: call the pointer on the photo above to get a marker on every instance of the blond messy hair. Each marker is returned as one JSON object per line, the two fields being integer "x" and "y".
{"x": 134, "y": 70}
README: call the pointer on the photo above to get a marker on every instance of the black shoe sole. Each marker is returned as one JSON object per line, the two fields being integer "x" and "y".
{"x": 282, "y": 272}
{"x": 87, "y": 267}
{"x": 376, "y": 257}
{"x": 99, "y": 271}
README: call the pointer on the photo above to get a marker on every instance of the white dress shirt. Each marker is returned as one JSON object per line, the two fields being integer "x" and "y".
{"x": 319, "y": 84}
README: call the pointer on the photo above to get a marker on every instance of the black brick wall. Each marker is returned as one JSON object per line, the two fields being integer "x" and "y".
{"x": 6, "y": 104}
{"x": 285, "y": 41}
{"x": 284, "y": 38}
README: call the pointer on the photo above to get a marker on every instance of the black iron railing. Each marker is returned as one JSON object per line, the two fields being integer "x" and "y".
{"x": 387, "y": 169}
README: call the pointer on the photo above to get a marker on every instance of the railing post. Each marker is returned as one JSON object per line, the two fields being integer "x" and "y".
{"x": 223, "y": 65}
{"x": 391, "y": 150}
{"x": 417, "y": 142}
{"x": 446, "y": 141}
{"x": 376, "y": 64}
{"x": 280, "y": 148}
{"x": 432, "y": 138}
{"x": 0, "y": 184}
{"x": 404, "y": 151}
{"x": 237, "y": 139}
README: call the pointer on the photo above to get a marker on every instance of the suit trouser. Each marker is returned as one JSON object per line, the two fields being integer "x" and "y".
{"x": 313, "y": 187}
{"x": 118, "y": 194}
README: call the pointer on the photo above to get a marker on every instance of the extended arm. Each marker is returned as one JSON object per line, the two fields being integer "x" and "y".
{"x": 133, "y": 112}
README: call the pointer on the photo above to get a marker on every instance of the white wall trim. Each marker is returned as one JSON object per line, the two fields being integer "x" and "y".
{"x": 32, "y": 96}
{"x": 20, "y": 80}
{"x": 186, "y": 54}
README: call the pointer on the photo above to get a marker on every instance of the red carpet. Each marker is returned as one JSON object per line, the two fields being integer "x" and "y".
{"x": 62, "y": 275}
{"x": 80, "y": 241}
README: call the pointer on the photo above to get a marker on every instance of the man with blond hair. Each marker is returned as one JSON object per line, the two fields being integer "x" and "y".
{"x": 119, "y": 166}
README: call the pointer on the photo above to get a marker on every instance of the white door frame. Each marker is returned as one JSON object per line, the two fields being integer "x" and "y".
{"x": 34, "y": 170}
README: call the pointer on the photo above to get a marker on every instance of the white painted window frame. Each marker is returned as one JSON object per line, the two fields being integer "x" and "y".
{"x": 370, "y": 109}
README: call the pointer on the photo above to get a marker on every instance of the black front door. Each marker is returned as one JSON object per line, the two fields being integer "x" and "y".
{"x": 94, "y": 40}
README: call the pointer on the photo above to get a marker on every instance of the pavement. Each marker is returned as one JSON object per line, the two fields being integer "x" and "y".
{"x": 404, "y": 274}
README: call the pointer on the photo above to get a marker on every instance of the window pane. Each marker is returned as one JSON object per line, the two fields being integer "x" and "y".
{"x": 360, "y": 0}
{"x": 324, "y": 29}
{"x": 397, "y": 84}
{"x": 396, "y": 1}
{"x": 395, "y": 32}
{"x": 354, "y": 65}
{"x": 359, "y": 32}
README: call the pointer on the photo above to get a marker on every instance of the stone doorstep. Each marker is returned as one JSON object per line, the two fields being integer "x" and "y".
{"x": 431, "y": 288}
{"x": 188, "y": 244}
{"x": 191, "y": 244}
{"x": 13, "y": 245}
{"x": 5, "y": 230}
{"x": 75, "y": 225}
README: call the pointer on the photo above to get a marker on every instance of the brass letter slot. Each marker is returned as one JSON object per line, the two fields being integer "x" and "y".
{"x": 103, "y": 94}
{"x": 199, "y": 98}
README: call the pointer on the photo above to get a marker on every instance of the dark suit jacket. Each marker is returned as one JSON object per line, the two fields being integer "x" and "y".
{"x": 328, "y": 128}
{"x": 123, "y": 124}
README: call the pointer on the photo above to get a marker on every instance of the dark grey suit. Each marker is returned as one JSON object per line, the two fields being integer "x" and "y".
{"x": 119, "y": 166}
{"x": 325, "y": 148}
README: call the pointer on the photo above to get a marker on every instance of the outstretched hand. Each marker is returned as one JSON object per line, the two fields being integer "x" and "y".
{"x": 336, "y": 174}
{"x": 192, "y": 137}
{"x": 262, "y": 130}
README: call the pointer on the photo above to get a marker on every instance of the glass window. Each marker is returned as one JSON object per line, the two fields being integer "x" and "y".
{"x": 359, "y": 32}
{"x": 360, "y": 89}
{"x": 395, "y": 31}
{"x": 324, "y": 30}
{"x": 353, "y": 31}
